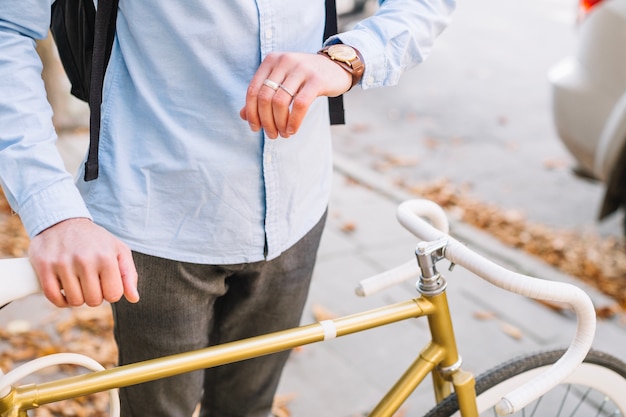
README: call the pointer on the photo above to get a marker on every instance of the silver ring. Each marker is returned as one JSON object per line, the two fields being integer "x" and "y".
{"x": 285, "y": 89}
{"x": 271, "y": 84}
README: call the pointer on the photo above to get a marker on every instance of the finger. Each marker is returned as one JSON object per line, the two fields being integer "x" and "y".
{"x": 128, "y": 273}
{"x": 90, "y": 285}
{"x": 242, "y": 113}
{"x": 111, "y": 282}
{"x": 281, "y": 103}
{"x": 50, "y": 284}
{"x": 300, "y": 106}
{"x": 52, "y": 288}
{"x": 250, "y": 111}
{"x": 70, "y": 285}
{"x": 265, "y": 102}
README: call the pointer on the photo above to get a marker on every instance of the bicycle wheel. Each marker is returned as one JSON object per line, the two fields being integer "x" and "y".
{"x": 597, "y": 388}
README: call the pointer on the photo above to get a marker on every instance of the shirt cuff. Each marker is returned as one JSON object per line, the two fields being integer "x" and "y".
{"x": 59, "y": 201}
{"x": 376, "y": 72}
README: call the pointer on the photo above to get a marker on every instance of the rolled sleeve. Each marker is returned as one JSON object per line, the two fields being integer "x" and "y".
{"x": 400, "y": 35}
{"x": 57, "y": 202}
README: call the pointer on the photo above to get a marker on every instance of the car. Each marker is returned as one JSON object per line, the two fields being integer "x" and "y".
{"x": 589, "y": 99}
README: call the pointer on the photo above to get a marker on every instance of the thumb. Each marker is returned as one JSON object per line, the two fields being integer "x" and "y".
{"x": 128, "y": 272}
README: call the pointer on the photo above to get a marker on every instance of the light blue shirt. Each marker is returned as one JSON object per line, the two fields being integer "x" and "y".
{"x": 181, "y": 175}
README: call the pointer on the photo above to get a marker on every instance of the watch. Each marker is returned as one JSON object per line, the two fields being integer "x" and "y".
{"x": 347, "y": 57}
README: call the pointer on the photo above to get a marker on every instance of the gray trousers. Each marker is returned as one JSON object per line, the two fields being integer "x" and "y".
{"x": 186, "y": 306}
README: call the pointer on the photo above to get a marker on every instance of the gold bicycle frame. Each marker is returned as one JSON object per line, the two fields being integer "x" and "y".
{"x": 439, "y": 357}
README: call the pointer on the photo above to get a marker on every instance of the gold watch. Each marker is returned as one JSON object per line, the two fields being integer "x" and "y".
{"x": 347, "y": 57}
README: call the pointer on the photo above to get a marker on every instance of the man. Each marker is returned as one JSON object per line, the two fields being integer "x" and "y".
{"x": 215, "y": 172}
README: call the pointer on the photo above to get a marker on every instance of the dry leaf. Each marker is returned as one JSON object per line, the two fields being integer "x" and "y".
{"x": 361, "y": 128}
{"x": 401, "y": 161}
{"x": 280, "y": 407}
{"x": 554, "y": 163}
{"x": 511, "y": 331}
{"x": 607, "y": 312}
{"x": 554, "y": 306}
{"x": 484, "y": 315}
{"x": 401, "y": 413}
{"x": 381, "y": 166}
{"x": 321, "y": 313}
{"x": 431, "y": 143}
{"x": 14, "y": 240}
{"x": 348, "y": 227}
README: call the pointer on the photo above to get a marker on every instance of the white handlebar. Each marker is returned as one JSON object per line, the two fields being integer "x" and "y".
{"x": 409, "y": 214}
{"x": 17, "y": 280}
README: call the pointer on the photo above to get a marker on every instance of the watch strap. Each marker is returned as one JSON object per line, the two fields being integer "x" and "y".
{"x": 355, "y": 66}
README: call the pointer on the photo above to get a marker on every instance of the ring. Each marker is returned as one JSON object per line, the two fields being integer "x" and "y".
{"x": 271, "y": 84}
{"x": 285, "y": 89}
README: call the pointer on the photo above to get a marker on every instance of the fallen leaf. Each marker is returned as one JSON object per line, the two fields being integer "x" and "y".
{"x": 431, "y": 143}
{"x": 554, "y": 163}
{"x": 361, "y": 128}
{"x": 348, "y": 227}
{"x": 607, "y": 312}
{"x": 280, "y": 407}
{"x": 321, "y": 313}
{"x": 484, "y": 315}
{"x": 554, "y": 306}
{"x": 511, "y": 331}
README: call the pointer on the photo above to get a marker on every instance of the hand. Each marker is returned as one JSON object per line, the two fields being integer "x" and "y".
{"x": 79, "y": 262}
{"x": 306, "y": 76}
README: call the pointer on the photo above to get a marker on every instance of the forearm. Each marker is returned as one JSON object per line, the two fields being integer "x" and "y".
{"x": 32, "y": 172}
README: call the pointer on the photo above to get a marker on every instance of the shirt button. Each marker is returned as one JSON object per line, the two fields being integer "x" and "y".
{"x": 268, "y": 34}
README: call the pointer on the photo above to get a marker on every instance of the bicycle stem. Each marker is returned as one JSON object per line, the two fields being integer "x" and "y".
{"x": 428, "y": 254}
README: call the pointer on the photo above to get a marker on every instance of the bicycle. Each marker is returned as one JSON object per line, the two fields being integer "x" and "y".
{"x": 585, "y": 381}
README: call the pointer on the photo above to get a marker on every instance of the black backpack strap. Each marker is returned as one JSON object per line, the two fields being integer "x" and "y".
{"x": 72, "y": 25}
{"x": 102, "y": 45}
{"x": 335, "y": 104}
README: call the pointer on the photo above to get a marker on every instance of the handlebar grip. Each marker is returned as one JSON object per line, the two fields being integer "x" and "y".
{"x": 17, "y": 279}
{"x": 387, "y": 279}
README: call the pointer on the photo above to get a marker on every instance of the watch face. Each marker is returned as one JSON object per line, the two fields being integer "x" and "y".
{"x": 342, "y": 52}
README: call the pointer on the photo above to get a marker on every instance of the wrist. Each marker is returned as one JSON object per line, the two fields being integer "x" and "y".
{"x": 348, "y": 58}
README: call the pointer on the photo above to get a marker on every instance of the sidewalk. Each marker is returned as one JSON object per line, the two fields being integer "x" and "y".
{"x": 348, "y": 375}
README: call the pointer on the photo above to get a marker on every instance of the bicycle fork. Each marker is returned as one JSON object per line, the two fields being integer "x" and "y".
{"x": 440, "y": 357}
